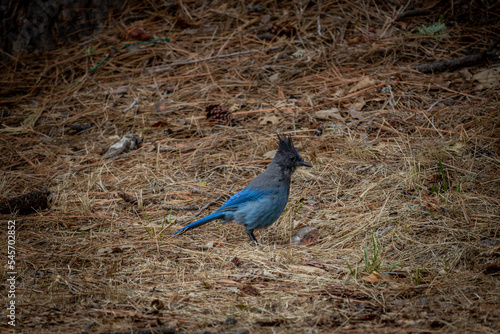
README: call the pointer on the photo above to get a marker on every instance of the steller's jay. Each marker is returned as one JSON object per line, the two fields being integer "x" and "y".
{"x": 263, "y": 200}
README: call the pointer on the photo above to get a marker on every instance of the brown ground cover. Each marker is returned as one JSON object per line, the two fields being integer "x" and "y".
{"x": 404, "y": 191}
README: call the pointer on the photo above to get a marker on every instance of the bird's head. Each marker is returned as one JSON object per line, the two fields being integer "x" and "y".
{"x": 287, "y": 155}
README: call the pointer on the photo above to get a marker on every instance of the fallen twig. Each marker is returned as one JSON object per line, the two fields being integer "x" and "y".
{"x": 413, "y": 13}
{"x": 136, "y": 100}
{"x": 451, "y": 64}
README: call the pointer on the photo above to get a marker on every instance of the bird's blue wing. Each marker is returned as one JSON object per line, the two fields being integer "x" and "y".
{"x": 246, "y": 195}
{"x": 232, "y": 204}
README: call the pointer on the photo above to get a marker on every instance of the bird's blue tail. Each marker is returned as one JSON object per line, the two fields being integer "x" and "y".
{"x": 202, "y": 221}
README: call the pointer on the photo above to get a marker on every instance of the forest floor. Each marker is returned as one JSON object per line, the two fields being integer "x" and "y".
{"x": 403, "y": 194}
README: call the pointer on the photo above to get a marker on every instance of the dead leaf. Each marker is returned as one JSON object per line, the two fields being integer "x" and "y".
{"x": 118, "y": 91}
{"x": 264, "y": 120}
{"x": 250, "y": 290}
{"x": 273, "y": 78}
{"x": 88, "y": 227}
{"x": 299, "y": 53}
{"x": 306, "y": 269}
{"x": 159, "y": 124}
{"x": 487, "y": 78}
{"x": 364, "y": 83}
{"x": 114, "y": 249}
{"x": 270, "y": 154}
{"x": 374, "y": 277}
{"x": 340, "y": 92}
{"x": 137, "y": 34}
{"x": 357, "y": 106}
{"x": 355, "y": 114}
{"x": 332, "y": 113}
{"x": 234, "y": 107}
{"x": 105, "y": 250}
{"x": 466, "y": 74}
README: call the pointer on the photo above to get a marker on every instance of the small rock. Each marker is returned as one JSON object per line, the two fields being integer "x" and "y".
{"x": 266, "y": 36}
{"x": 128, "y": 143}
{"x": 423, "y": 300}
{"x": 207, "y": 246}
{"x": 305, "y": 235}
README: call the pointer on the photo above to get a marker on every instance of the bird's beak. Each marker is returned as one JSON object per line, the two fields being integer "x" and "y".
{"x": 303, "y": 163}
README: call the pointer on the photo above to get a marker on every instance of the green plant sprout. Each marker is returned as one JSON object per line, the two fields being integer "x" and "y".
{"x": 443, "y": 176}
{"x": 435, "y": 30}
{"x": 373, "y": 261}
{"x": 297, "y": 211}
{"x": 351, "y": 269}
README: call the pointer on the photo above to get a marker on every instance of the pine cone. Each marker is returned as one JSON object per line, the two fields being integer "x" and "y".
{"x": 218, "y": 113}
{"x": 29, "y": 203}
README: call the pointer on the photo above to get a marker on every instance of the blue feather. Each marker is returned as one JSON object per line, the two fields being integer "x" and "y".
{"x": 202, "y": 221}
{"x": 246, "y": 195}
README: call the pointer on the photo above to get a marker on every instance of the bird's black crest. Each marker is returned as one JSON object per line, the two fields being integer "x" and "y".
{"x": 285, "y": 144}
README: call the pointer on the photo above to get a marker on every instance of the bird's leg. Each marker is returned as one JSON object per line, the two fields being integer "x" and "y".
{"x": 252, "y": 237}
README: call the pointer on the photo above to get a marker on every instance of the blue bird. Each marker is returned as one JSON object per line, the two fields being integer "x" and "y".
{"x": 263, "y": 200}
